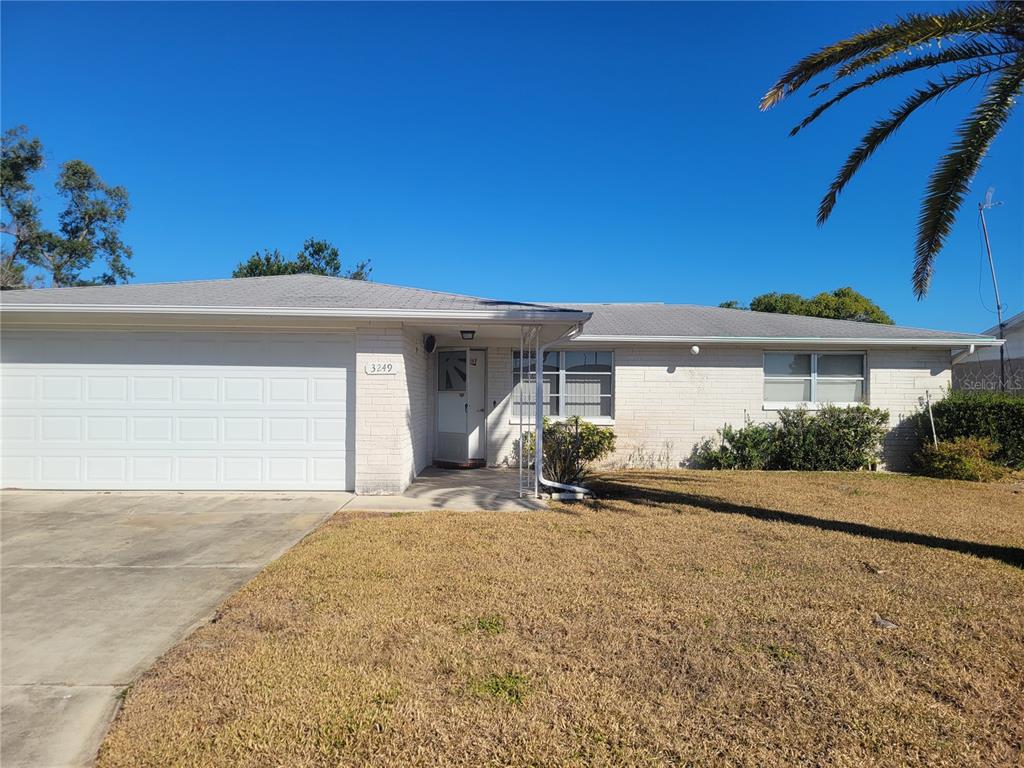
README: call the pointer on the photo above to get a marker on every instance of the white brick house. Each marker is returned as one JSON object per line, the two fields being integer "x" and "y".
{"x": 307, "y": 382}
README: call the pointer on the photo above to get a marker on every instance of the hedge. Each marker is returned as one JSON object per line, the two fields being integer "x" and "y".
{"x": 996, "y": 416}
{"x": 835, "y": 438}
{"x": 964, "y": 458}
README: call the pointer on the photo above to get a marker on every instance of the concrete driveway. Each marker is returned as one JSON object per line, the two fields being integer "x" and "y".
{"x": 96, "y": 586}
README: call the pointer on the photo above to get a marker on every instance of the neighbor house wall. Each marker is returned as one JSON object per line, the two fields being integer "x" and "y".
{"x": 392, "y": 416}
{"x": 667, "y": 400}
{"x": 980, "y": 371}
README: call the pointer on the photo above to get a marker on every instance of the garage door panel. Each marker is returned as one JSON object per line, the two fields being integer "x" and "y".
{"x": 106, "y": 469}
{"x": 60, "y": 429}
{"x": 18, "y": 470}
{"x": 18, "y": 389}
{"x": 243, "y": 391}
{"x": 74, "y": 418}
{"x": 61, "y": 389}
{"x": 107, "y": 389}
{"x": 198, "y": 471}
{"x": 198, "y": 429}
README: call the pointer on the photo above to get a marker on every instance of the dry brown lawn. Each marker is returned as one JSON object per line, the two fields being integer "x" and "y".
{"x": 687, "y": 618}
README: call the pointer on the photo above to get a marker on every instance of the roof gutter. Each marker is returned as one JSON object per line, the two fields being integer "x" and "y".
{"x": 475, "y": 315}
{"x": 792, "y": 341}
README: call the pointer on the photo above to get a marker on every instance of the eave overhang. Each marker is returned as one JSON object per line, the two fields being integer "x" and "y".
{"x": 796, "y": 341}
{"x": 519, "y": 316}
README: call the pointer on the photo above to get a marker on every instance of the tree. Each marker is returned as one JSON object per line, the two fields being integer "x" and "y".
{"x": 19, "y": 159}
{"x": 89, "y": 225}
{"x": 984, "y": 42}
{"x": 840, "y": 304}
{"x": 317, "y": 257}
{"x": 780, "y": 303}
{"x": 847, "y": 304}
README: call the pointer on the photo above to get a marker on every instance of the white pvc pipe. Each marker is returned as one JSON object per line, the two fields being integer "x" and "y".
{"x": 539, "y": 450}
{"x": 963, "y": 355}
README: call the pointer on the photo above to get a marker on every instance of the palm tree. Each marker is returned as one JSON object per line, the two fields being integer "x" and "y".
{"x": 984, "y": 42}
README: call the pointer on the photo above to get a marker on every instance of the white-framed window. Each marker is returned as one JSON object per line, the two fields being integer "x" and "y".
{"x": 811, "y": 378}
{"x": 576, "y": 383}
{"x": 552, "y": 381}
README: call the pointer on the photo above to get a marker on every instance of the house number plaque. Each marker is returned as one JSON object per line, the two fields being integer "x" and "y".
{"x": 380, "y": 368}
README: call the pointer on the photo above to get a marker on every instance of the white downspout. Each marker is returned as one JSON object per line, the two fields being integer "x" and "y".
{"x": 538, "y": 458}
{"x": 962, "y": 355}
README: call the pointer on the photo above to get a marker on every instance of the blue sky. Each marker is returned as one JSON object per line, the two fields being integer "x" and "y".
{"x": 572, "y": 152}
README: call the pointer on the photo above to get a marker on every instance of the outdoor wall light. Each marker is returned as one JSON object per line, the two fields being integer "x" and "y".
{"x": 467, "y": 335}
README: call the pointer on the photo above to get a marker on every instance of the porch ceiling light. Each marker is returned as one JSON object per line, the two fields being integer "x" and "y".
{"x": 467, "y": 335}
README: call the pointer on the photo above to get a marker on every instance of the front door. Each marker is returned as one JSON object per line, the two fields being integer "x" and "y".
{"x": 476, "y": 395}
{"x": 461, "y": 407}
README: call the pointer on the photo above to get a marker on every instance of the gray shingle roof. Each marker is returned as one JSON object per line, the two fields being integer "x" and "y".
{"x": 692, "y": 321}
{"x": 311, "y": 292}
{"x": 279, "y": 292}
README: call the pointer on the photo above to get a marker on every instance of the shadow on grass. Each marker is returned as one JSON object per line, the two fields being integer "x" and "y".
{"x": 614, "y": 490}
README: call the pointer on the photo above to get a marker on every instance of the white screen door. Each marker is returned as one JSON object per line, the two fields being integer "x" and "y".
{"x": 461, "y": 406}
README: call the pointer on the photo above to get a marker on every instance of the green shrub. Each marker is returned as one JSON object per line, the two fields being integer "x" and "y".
{"x": 834, "y": 438}
{"x": 794, "y": 446}
{"x": 997, "y": 416}
{"x": 570, "y": 447}
{"x": 963, "y": 458}
{"x": 747, "y": 448}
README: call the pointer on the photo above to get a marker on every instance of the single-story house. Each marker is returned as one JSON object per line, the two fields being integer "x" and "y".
{"x": 979, "y": 368}
{"x": 310, "y": 382}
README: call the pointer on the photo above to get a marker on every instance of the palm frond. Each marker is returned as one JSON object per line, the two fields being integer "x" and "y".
{"x": 883, "y": 129}
{"x": 908, "y": 32}
{"x": 951, "y": 178}
{"x": 960, "y": 52}
{"x": 877, "y": 56}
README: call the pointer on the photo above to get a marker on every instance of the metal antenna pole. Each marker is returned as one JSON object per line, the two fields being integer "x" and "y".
{"x": 995, "y": 284}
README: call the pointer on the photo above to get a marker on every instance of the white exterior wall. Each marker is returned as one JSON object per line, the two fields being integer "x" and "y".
{"x": 667, "y": 400}
{"x": 419, "y": 375}
{"x": 502, "y": 435}
{"x": 392, "y": 416}
{"x": 898, "y": 378}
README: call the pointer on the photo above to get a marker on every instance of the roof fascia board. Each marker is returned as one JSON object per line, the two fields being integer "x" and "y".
{"x": 791, "y": 341}
{"x": 476, "y": 315}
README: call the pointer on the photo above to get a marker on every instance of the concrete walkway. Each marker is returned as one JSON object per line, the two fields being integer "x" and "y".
{"x": 488, "y": 488}
{"x": 96, "y": 586}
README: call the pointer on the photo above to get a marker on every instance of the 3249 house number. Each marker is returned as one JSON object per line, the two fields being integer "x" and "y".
{"x": 380, "y": 369}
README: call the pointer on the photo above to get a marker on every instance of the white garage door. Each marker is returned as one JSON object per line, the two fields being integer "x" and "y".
{"x": 190, "y": 410}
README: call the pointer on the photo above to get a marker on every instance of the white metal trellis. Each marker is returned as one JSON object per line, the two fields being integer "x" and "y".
{"x": 524, "y": 402}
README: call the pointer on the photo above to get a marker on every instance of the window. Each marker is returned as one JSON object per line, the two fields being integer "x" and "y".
{"x": 576, "y": 382}
{"x": 813, "y": 377}
{"x": 451, "y": 371}
{"x": 588, "y": 384}
{"x": 551, "y": 381}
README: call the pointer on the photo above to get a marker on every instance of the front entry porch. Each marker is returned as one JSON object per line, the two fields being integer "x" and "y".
{"x": 492, "y": 489}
